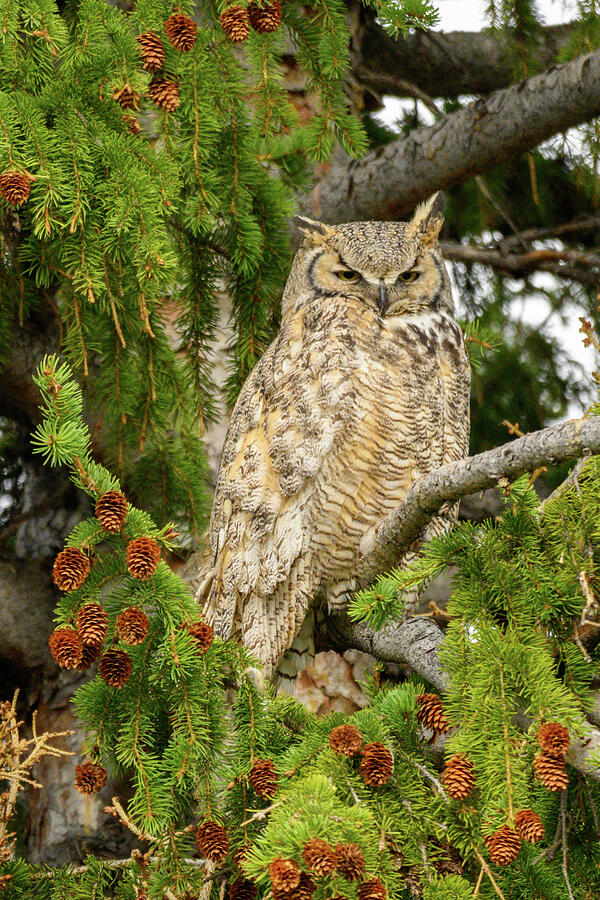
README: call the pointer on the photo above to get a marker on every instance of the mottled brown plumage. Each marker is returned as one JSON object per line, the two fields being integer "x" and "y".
{"x": 364, "y": 390}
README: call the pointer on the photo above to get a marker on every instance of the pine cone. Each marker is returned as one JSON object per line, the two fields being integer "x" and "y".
{"x": 554, "y": 738}
{"x": 132, "y": 123}
{"x": 266, "y": 18}
{"x": 202, "y": 633}
{"x": 242, "y": 889}
{"x": 92, "y": 622}
{"x": 71, "y": 568}
{"x": 66, "y": 647}
{"x": 264, "y": 778}
{"x": 371, "y": 890}
{"x": 504, "y": 846}
{"x": 528, "y": 826}
{"x": 90, "y": 777}
{"x": 151, "y": 51}
{"x": 126, "y": 97}
{"x": 304, "y": 891}
{"x": 115, "y": 668}
{"x": 133, "y": 625}
{"x": 212, "y": 841}
{"x": 345, "y": 740}
{"x": 143, "y": 556}
{"x": 164, "y": 94}
{"x": 376, "y": 764}
{"x": 350, "y": 861}
{"x": 458, "y": 776}
{"x": 15, "y": 186}
{"x": 111, "y": 510}
{"x": 319, "y": 857}
{"x": 90, "y": 655}
{"x": 234, "y": 22}
{"x": 551, "y": 771}
{"x": 181, "y": 31}
{"x": 240, "y": 854}
{"x": 431, "y": 713}
{"x": 285, "y": 874}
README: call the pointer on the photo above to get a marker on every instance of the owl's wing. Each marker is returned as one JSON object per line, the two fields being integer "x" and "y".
{"x": 290, "y": 415}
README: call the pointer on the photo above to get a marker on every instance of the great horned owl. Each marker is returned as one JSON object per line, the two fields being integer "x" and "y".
{"x": 364, "y": 390}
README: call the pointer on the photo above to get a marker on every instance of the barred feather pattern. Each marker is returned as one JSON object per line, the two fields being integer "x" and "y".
{"x": 344, "y": 412}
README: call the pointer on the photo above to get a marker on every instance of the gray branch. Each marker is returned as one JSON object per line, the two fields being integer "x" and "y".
{"x": 388, "y": 182}
{"x": 548, "y": 447}
{"x": 447, "y": 65}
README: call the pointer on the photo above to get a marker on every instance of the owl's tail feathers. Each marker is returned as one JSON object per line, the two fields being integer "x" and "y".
{"x": 298, "y": 656}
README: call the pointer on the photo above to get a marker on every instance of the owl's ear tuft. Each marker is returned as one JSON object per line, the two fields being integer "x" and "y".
{"x": 316, "y": 232}
{"x": 428, "y": 218}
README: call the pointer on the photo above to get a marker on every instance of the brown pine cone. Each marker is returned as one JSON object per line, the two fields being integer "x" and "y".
{"x": 304, "y": 891}
{"x": 372, "y": 890}
{"x": 376, "y": 764}
{"x": 234, "y": 22}
{"x": 551, "y": 771}
{"x": 133, "y": 625}
{"x": 242, "y": 889}
{"x": 319, "y": 857}
{"x": 15, "y": 186}
{"x": 240, "y": 854}
{"x": 132, "y": 123}
{"x": 265, "y": 18}
{"x": 111, "y": 510}
{"x": 431, "y": 713}
{"x": 459, "y": 777}
{"x": 143, "y": 556}
{"x": 90, "y": 777}
{"x": 553, "y": 738}
{"x": 164, "y": 94}
{"x": 345, "y": 740}
{"x": 528, "y": 826}
{"x": 212, "y": 841}
{"x": 152, "y": 51}
{"x": 504, "y": 846}
{"x": 89, "y": 656}
{"x": 285, "y": 874}
{"x": 202, "y": 633}
{"x": 181, "y": 31}
{"x": 71, "y": 568}
{"x": 350, "y": 861}
{"x": 126, "y": 97}
{"x": 92, "y": 623}
{"x": 264, "y": 778}
{"x": 66, "y": 647}
{"x": 115, "y": 668}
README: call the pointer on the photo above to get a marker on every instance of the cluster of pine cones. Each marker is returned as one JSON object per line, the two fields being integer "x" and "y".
{"x": 459, "y": 779}
{"x": 78, "y": 647}
{"x": 262, "y": 16}
{"x": 376, "y": 761}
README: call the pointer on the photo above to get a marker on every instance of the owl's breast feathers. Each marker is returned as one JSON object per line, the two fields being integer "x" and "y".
{"x": 341, "y": 415}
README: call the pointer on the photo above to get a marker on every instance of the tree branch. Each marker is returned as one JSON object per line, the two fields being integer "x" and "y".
{"x": 388, "y": 182}
{"x": 571, "y": 264}
{"x": 400, "y": 528}
{"x": 447, "y": 65}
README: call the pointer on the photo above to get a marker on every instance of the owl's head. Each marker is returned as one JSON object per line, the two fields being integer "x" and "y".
{"x": 394, "y": 267}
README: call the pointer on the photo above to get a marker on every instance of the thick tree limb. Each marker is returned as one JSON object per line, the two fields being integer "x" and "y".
{"x": 400, "y": 528}
{"x": 446, "y": 65}
{"x": 416, "y": 642}
{"x": 388, "y": 182}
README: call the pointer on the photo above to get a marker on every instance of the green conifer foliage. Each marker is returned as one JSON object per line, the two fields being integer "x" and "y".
{"x": 189, "y": 748}
{"x": 136, "y": 215}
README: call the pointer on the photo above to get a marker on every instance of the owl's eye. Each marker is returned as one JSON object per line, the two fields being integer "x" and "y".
{"x": 407, "y": 277}
{"x": 347, "y": 275}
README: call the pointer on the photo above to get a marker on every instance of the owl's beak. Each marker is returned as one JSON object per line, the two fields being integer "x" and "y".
{"x": 382, "y": 300}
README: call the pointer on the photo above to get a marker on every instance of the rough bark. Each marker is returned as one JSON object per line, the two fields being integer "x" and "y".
{"x": 388, "y": 182}
{"x": 446, "y": 65}
{"x": 400, "y": 528}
